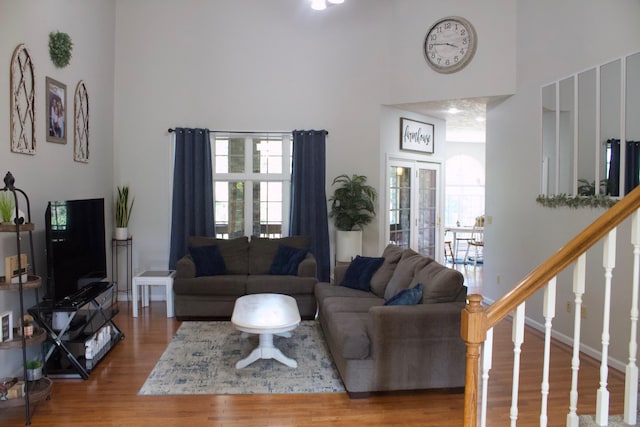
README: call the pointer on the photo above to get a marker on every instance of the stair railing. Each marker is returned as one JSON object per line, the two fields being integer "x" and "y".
{"x": 478, "y": 322}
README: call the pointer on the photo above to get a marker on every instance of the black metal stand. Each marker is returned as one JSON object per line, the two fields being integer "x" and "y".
{"x": 115, "y": 269}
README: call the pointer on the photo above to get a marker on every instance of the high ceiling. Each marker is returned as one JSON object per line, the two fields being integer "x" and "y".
{"x": 465, "y": 118}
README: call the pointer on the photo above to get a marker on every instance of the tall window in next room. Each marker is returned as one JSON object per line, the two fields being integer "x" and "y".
{"x": 251, "y": 179}
{"x": 464, "y": 192}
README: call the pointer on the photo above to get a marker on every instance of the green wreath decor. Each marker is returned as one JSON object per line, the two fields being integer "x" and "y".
{"x": 60, "y": 46}
{"x": 574, "y": 202}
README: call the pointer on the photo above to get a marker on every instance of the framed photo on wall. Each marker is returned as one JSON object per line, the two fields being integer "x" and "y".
{"x": 6, "y": 326}
{"x": 416, "y": 136}
{"x": 56, "y": 106}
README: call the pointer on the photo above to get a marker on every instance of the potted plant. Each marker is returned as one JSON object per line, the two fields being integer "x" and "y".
{"x": 34, "y": 370}
{"x": 352, "y": 207}
{"x": 7, "y": 207}
{"x": 123, "y": 213}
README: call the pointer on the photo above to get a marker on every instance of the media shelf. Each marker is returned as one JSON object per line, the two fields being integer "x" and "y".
{"x": 34, "y": 391}
{"x": 80, "y": 330}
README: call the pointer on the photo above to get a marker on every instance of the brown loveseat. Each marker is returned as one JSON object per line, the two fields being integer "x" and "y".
{"x": 247, "y": 267}
{"x": 401, "y": 347}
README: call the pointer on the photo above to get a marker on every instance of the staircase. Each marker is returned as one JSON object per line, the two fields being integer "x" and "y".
{"x": 478, "y": 323}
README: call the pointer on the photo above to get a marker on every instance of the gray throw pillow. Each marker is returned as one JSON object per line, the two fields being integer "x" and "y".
{"x": 440, "y": 283}
{"x": 409, "y": 264}
{"x": 380, "y": 279}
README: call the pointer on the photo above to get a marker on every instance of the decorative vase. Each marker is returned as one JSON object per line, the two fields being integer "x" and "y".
{"x": 122, "y": 233}
{"x": 348, "y": 245}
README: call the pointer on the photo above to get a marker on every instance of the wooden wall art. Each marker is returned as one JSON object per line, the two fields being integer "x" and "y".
{"x": 23, "y": 102}
{"x": 81, "y": 124}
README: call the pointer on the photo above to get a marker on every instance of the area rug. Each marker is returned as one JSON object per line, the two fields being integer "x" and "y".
{"x": 201, "y": 358}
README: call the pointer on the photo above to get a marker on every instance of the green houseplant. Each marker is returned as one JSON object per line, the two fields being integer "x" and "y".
{"x": 123, "y": 212}
{"x": 7, "y": 207}
{"x": 352, "y": 207}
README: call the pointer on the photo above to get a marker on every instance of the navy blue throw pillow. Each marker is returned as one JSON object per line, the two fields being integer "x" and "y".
{"x": 286, "y": 260}
{"x": 208, "y": 260}
{"x": 411, "y": 296}
{"x": 360, "y": 271}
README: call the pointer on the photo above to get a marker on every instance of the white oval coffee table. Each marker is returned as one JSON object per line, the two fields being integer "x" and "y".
{"x": 266, "y": 315}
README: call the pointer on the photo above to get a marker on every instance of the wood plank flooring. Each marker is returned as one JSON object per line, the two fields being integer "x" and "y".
{"x": 109, "y": 396}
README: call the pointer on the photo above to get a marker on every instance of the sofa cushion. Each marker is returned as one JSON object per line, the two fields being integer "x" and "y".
{"x": 288, "y": 285}
{"x": 409, "y": 263}
{"x": 224, "y": 285}
{"x": 440, "y": 284}
{"x": 287, "y": 260}
{"x": 235, "y": 252}
{"x": 410, "y": 296}
{"x": 360, "y": 272}
{"x": 262, "y": 251}
{"x": 349, "y": 331}
{"x": 208, "y": 260}
{"x": 325, "y": 290}
{"x": 334, "y": 305}
{"x": 380, "y": 279}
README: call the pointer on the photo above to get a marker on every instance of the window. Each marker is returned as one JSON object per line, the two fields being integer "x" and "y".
{"x": 464, "y": 191}
{"x": 251, "y": 179}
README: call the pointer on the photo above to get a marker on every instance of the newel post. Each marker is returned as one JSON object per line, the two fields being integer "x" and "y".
{"x": 473, "y": 330}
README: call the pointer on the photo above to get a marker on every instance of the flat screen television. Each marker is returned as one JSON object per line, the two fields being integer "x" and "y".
{"x": 75, "y": 246}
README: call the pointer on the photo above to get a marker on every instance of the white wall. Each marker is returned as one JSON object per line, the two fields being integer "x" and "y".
{"x": 52, "y": 174}
{"x": 278, "y": 65}
{"x": 555, "y": 39}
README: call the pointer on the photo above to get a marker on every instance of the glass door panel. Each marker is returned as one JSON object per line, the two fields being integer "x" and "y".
{"x": 414, "y": 210}
{"x": 400, "y": 206}
{"x": 427, "y": 214}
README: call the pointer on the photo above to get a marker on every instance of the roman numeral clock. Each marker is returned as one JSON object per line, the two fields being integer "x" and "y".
{"x": 450, "y": 44}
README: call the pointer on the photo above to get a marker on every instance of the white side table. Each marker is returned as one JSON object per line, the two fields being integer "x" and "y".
{"x": 153, "y": 278}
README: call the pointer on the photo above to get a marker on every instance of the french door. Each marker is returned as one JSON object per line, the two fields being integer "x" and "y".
{"x": 413, "y": 215}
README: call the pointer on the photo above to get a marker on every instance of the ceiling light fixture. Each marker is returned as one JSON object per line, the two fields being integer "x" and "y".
{"x": 318, "y": 5}
{"x": 322, "y": 4}
{"x": 453, "y": 110}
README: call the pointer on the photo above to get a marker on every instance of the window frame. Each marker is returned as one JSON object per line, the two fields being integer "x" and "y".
{"x": 250, "y": 178}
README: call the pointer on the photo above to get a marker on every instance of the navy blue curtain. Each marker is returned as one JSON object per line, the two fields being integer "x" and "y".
{"x": 632, "y": 167}
{"x": 308, "y": 215}
{"x": 192, "y": 205}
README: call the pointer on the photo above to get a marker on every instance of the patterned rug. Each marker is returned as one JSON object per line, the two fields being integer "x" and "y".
{"x": 201, "y": 358}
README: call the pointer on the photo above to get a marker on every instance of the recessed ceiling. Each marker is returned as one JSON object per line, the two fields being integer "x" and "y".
{"x": 465, "y": 118}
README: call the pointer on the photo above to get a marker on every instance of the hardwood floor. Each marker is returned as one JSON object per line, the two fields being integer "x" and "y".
{"x": 109, "y": 397}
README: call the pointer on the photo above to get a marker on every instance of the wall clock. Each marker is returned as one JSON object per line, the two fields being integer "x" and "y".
{"x": 450, "y": 44}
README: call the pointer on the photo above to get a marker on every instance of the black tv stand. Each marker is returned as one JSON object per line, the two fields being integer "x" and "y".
{"x": 80, "y": 329}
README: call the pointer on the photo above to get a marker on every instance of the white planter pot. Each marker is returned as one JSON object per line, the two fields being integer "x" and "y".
{"x": 34, "y": 374}
{"x": 348, "y": 245}
{"x": 121, "y": 233}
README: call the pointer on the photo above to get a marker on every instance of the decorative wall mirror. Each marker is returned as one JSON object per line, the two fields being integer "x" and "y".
{"x": 23, "y": 100}
{"x": 584, "y": 118}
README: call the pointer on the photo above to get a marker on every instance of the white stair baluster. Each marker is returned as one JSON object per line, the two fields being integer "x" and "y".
{"x": 549, "y": 312}
{"x": 609, "y": 263}
{"x": 487, "y": 355}
{"x": 631, "y": 371}
{"x": 517, "y": 338}
{"x": 578, "y": 291}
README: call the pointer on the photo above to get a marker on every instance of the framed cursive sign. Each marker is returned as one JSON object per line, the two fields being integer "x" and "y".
{"x": 416, "y": 136}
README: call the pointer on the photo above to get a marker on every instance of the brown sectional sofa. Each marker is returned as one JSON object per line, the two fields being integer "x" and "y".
{"x": 402, "y": 347}
{"x": 247, "y": 272}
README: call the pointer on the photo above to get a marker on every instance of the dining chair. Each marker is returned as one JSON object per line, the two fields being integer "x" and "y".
{"x": 476, "y": 241}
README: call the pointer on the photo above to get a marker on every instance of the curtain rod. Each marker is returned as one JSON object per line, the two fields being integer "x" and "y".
{"x": 171, "y": 130}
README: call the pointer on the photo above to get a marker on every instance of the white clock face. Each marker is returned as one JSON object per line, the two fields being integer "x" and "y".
{"x": 450, "y": 44}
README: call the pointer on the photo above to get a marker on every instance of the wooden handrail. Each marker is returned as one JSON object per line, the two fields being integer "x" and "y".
{"x": 476, "y": 322}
